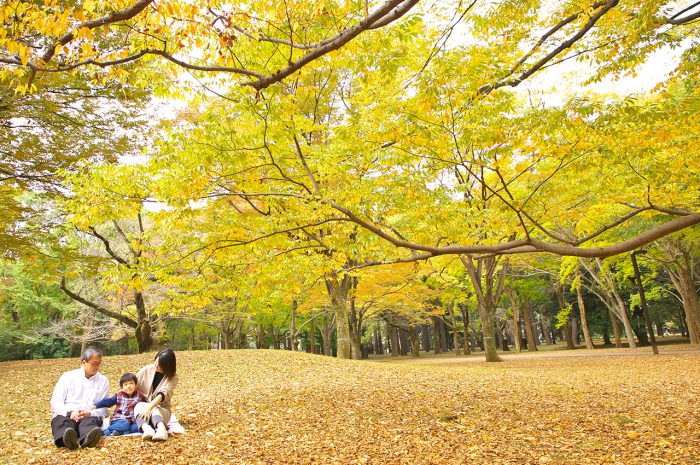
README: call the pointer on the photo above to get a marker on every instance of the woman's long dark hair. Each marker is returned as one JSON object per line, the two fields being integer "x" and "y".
{"x": 166, "y": 362}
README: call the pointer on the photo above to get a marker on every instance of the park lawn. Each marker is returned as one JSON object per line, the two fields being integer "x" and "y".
{"x": 264, "y": 406}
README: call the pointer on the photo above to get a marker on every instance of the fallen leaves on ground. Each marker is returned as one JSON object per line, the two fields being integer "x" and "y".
{"x": 271, "y": 407}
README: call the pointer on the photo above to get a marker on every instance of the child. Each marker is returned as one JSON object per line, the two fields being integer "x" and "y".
{"x": 123, "y": 420}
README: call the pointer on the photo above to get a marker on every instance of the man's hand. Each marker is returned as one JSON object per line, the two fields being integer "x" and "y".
{"x": 77, "y": 415}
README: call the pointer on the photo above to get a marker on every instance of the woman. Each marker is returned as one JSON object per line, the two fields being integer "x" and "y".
{"x": 157, "y": 382}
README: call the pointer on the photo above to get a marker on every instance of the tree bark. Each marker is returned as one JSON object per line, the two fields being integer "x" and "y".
{"x": 582, "y": 313}
{"x": 393, "y": 339}
{"x": 487, "y": 282}
{"x": 338, "y": 289}
{"x": 326, "y": 334}
{"x": 611, "y": 297}
{"x": 683, "y": 277}
{"x": 616, "y": 329}
{"x": 566, "y": 327}
{"x": 517, "y": 325}
{"x": 415, "y": 341}
{"x": 437, "y": 346}
{"x": 465, "y": 319}
{"x": 455, "y": 333}
{"x": 293, "y": 339}
{"x": 529, "y": 326}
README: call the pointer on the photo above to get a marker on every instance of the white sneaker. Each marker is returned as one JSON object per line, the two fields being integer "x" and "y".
{"x": 161, "y": 433}
{"x": 148, "y": 432}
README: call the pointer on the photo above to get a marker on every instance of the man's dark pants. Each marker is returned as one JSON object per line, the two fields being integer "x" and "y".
{"x": 60, "y": 424}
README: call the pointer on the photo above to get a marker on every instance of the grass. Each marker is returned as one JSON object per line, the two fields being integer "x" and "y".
{"x": 260, "y": 406}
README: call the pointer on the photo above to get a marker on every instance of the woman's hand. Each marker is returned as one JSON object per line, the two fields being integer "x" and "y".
{"x": 146, "y": 414}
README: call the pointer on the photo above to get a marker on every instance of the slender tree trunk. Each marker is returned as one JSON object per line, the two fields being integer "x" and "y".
{"x": 616, "y": 329}
{"x": 293, "y": 339}
{"x": 455, "y": 333}
{"x": 517, "y": 325}
{"x": 437, "y": 346}
{"x": 379, "y": 348}
{"x": 622, "y": 309}
{"x": 404, "y": 345}
{"x": 415, "y": 342}
{"x": 312, "y": 336}
{"x": 582, "y": 312}
{"x": 562, "y": 307}
{"x": 529, "y": 327}
{"x": 261, "y": 337}
{"x": 611, "y": 297}
{"x": 465, "y": 319}
{"x": 425, "y": 337}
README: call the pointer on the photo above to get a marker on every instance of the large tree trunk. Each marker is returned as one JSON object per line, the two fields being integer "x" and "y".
{"x": 404, "y": 344}
{"x": 338, "y": 289}
{"x": 582, "y": 312}
{"x": 144, "y": 338}
{"x": 355, "y": 325}
{"x": 574, "y": 331}
{"x": 487, "y": 282}
{"x": 547, "y": 330}
{"x": 682, "y": 276}
{"x": 393, "y": 339}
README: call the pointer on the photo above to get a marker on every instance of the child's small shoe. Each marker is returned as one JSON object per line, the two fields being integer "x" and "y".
{"x": 116, "y": 433}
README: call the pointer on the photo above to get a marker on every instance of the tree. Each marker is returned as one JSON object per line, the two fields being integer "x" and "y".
{"x": 681, "y": 265}
{"x": 116, "y": 197}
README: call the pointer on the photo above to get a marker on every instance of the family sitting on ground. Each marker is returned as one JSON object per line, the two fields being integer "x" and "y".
{"x": 81, "y": 398}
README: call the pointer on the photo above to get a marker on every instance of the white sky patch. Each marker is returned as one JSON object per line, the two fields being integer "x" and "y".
{"x": 553, "y": 86}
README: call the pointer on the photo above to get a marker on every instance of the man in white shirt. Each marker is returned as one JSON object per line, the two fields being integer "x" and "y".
{"x": 77, "y": 390}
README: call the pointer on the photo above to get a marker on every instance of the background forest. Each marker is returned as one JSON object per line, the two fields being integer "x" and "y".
{"x": 347, "y": 177}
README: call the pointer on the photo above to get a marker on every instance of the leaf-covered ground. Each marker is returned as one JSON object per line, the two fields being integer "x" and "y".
{"x": 259, "y": 406}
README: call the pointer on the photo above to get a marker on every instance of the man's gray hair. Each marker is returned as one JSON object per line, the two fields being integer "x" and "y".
{"x": 89, "y": 352}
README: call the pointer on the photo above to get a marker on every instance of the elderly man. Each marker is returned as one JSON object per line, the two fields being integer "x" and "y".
{"x": 73, "y": 425}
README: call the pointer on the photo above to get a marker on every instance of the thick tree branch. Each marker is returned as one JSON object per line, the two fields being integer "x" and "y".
{"x": 488, "y": 88}
{"x": 111, "y": 18}
{"x": 108, "y": 248}
{"x": 105, "y": 311}
{"x": 388, "y": 12}
{"x": 678, "y": 21}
